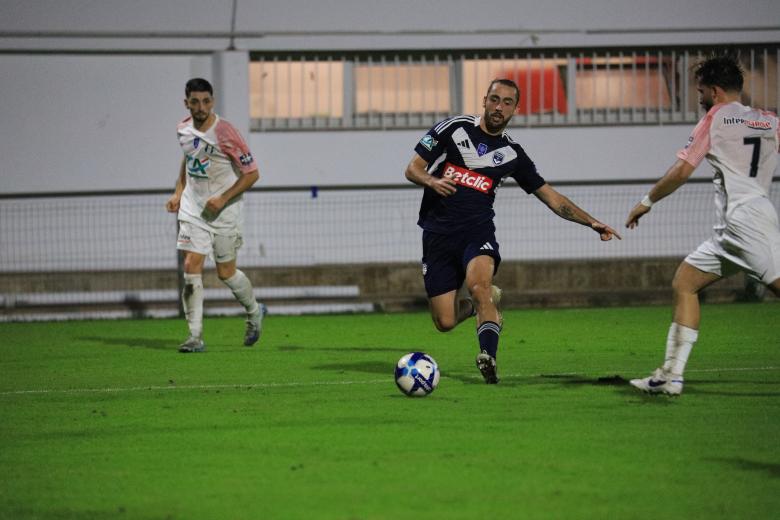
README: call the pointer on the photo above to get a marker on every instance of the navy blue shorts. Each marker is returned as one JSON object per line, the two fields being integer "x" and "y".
{"x": 445, "y": 258}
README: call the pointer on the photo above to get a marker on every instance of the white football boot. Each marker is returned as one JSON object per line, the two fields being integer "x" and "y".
{"x": 254, "y": 325}
{"x": 659, "y": 382}
{"x": 191, "y": 345}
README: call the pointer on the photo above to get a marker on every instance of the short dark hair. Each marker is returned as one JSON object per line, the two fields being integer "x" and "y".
{"x": 507, "y": 83}
{"x": 721, "y": 70}
{"x": 197, "y": 85}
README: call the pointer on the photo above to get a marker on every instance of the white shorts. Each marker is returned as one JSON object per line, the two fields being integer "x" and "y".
{"x": 222, "y": 248}
{"x": 750, "y": 243}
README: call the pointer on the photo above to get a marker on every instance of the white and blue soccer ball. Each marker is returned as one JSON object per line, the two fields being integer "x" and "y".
{"x": 417, "y": 374}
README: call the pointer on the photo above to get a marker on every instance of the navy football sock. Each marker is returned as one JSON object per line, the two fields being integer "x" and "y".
{"x": 487, "y": 334}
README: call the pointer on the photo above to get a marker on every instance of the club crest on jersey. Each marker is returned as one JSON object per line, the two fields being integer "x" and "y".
{"x": 196, "y": 143}
{"x": 498, "y": 158}
{"x": 246, "y": 159}
{"x": 468, "y": 178}
{"x": 482, "y": 149}
{"x": 428, "y": 142}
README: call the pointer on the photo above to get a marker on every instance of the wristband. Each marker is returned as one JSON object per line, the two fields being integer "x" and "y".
{"x": 646, "y": 202}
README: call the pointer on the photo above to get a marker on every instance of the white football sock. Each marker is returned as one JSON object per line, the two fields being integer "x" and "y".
{"x": 242, "y": 290}
{"x": 192, "y": 301}
{"x": 679, "y": 343}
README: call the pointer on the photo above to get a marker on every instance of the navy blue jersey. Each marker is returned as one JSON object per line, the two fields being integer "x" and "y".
{"x": 478, "y": 162}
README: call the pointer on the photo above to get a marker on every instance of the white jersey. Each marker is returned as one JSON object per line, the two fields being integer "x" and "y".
{"x": 213, "y": 161}
{"x": 741, "y": 143}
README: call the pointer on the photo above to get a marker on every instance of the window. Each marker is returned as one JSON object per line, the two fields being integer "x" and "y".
{"x": 286, "y": 90}
{"x": 541, "y": 82}
{"x": 415, "y": 90}
{"x": 397, "y": 89}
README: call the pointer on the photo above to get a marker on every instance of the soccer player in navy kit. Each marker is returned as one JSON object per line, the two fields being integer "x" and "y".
{"x": 461, "y": 162}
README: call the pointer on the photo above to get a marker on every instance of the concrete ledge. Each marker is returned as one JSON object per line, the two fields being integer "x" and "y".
{"x": 356, "y": 288}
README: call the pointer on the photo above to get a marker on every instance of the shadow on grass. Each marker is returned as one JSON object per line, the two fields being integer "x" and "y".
{"x": 574, "y": 379}
{"x": 152, "y": 343}
{"x": 543, "y": 379}
{"x": 773, "y": 470}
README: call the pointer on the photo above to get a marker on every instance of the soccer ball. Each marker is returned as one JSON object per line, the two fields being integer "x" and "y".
{"x": 416, "y": 374}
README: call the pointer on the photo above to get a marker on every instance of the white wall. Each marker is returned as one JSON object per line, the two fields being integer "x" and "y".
{"x": 560, "y": 154}
{"x": 92, "y": 90}
{"x": 394, "y": 24}
{"x": 80, "y": 122}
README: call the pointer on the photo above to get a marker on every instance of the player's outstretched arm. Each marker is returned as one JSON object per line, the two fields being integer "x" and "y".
{"x": 565, "y": 208}
{"x": 675, "y": 176}
{"x": 417, "y": 172}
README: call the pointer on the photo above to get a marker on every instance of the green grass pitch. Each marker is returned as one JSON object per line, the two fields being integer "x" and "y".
{"x": 105, "y": 420}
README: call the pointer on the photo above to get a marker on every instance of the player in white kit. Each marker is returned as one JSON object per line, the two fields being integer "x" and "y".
{"x": 741, "y": 144}
{"x": 217, "y": 168}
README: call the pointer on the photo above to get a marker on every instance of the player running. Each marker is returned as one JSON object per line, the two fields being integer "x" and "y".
{"x": 461, "y": 162}
{"x": 741, "y": 144}
{"x": 217, "y": 168}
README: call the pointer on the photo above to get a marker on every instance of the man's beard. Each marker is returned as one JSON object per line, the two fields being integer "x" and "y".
{"x": 495, "y": 128}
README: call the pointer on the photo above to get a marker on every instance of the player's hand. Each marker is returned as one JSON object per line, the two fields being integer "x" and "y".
{"x": 444, "y": 186}
{"x": 636, "y": 213}
{"x": 173, "y": 204}
{"x": 605, "y": 232}
{"x": 213, "y": 206}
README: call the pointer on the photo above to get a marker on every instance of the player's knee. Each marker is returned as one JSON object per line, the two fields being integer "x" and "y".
{"x": 193, "y": 263}
{"x": 676, "y": 285}
{"x": 225, "y": 272}
{"x": 775, "y": 287}
{"x": 680, "y": 285}
{"x": 480, "y": 292}
{"x": 444, "y": 323}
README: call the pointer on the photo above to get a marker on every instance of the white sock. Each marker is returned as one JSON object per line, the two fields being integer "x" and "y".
{"x": 242, "y": 290}
{"x": 192, "y": 301}
{"x": 679, "y": 343}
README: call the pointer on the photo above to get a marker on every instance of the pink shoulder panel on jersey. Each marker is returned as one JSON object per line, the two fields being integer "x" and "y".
{"x": 699, "y": 141}
{"x": 770, "y": 114}
{"x": 184, "y": 122}
{"x": 233, "y": 145}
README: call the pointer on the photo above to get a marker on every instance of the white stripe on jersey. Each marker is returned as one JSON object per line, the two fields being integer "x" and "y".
{"x": 435, "y": 164}
{"x": 473, "y": 160}
{"x": 447, "y": 122}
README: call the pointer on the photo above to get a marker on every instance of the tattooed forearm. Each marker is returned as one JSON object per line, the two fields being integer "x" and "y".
{"x": 566, "y": 212}
{"x": 571, "y": 212}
